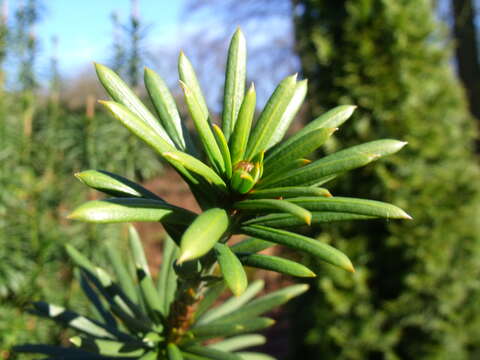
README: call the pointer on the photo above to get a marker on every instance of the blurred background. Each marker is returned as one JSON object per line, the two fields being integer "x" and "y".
{"x": 411, "y": 66}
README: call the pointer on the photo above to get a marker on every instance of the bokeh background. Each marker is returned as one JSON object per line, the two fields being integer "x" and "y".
{"x": 411, "y": 66}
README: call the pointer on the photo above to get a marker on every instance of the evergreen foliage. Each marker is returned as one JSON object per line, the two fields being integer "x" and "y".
{"x": 42, "y": 143}
{"x": 25, "y": 38}
{"x": 129, "y": 54}
{"x": 416, "y": 291}
{"x": 270, "y": 193}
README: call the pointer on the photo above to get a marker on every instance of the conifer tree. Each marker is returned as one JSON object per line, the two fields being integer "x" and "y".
{"x": 128, "y": 45}
{"x": 415, "y": 294}
{"x": 26, "y": 17}
{"x": 3, "y": 39}
{"x": 118, "y": 48}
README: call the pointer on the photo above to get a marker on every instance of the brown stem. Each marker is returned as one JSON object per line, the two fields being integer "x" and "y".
{"x": 182, "y": 312}
{"x": 189, "y": 294}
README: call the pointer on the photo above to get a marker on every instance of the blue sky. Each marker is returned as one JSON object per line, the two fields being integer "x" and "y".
{"x": 85, "y": 34}
{"x": 84, "y": 28}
